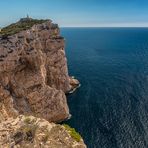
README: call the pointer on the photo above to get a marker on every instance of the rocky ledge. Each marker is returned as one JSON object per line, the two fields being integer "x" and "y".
{"x": 34, "y": 75}
{"x": 28, "y": 131}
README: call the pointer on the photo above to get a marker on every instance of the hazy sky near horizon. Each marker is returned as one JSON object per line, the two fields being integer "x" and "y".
{"x": 78, "y": 13}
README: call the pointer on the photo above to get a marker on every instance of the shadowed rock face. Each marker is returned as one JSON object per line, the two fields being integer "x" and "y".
{"x": 33, "y": 74}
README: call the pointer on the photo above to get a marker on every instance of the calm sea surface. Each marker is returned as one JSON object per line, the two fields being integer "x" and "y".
{"x": 110, "y": 109}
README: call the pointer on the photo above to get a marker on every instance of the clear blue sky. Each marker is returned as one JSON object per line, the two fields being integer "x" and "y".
{"x": 87, "y": 13}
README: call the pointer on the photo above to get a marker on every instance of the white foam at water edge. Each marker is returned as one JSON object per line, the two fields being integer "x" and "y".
{"x": 72, "y": 91}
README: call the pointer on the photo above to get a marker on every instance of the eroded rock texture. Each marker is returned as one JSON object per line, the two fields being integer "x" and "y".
{"x": 33, "y": 74}
{"x": 31, "y": 132}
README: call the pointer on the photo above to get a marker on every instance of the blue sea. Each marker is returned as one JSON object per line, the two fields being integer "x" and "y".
{"x": 110, "y": 109}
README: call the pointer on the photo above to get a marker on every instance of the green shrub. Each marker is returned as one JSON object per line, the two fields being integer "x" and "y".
{"x": 29, "y": 128}
{"x": 75, "y": 135}
{"x": 45, "y": 137}
{"x": 29, "y": 131}
{"x": 27, "y": 120}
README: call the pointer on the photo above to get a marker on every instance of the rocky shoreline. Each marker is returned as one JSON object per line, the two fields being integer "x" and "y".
{"x": 75, "y": 84}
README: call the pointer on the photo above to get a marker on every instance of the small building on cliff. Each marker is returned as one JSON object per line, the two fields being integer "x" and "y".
{"x": 26, "y": 19}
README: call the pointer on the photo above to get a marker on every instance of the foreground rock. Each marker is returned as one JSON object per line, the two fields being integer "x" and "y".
{"x": 27, "y": 132}
{"x": 33, "y": 73}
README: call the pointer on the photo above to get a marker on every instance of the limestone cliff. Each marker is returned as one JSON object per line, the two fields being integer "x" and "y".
{"x": 33, "y": 73}
{"x": 33, "y": 82}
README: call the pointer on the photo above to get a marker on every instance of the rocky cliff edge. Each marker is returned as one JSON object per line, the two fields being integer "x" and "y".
{"x": 33, "y": 73}
{"x": 31, "y": 132}
{"x": 33, "y": 82}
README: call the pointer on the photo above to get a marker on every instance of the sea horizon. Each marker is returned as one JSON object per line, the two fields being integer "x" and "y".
{"x": 102, "y": 27}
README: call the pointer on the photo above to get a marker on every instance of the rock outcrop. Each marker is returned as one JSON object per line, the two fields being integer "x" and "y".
{"x": 33, "y": 82}
{"x": 27, "y": 132}
{"x": 33, "y": 74}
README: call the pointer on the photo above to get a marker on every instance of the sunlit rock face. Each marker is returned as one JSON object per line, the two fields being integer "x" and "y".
{"x": 28, "y": 131}
{"x": 33, "y": 73}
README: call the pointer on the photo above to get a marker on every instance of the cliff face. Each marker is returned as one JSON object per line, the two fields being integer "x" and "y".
{"x": 33, "y": 74}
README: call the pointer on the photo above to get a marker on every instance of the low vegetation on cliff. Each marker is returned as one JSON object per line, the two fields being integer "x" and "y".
{"x": 20, "y": 26}
{"x": 75, "y": 135}
{"x": 29, "y": 131}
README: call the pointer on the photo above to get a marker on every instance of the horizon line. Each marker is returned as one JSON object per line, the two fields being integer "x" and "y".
{"x": 103, "y": 26}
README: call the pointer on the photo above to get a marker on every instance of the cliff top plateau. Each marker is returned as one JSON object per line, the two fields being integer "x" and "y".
{"x": 22, "y": 24}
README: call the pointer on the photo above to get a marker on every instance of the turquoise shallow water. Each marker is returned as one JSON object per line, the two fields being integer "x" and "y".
{"x": 110, "y": 109}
